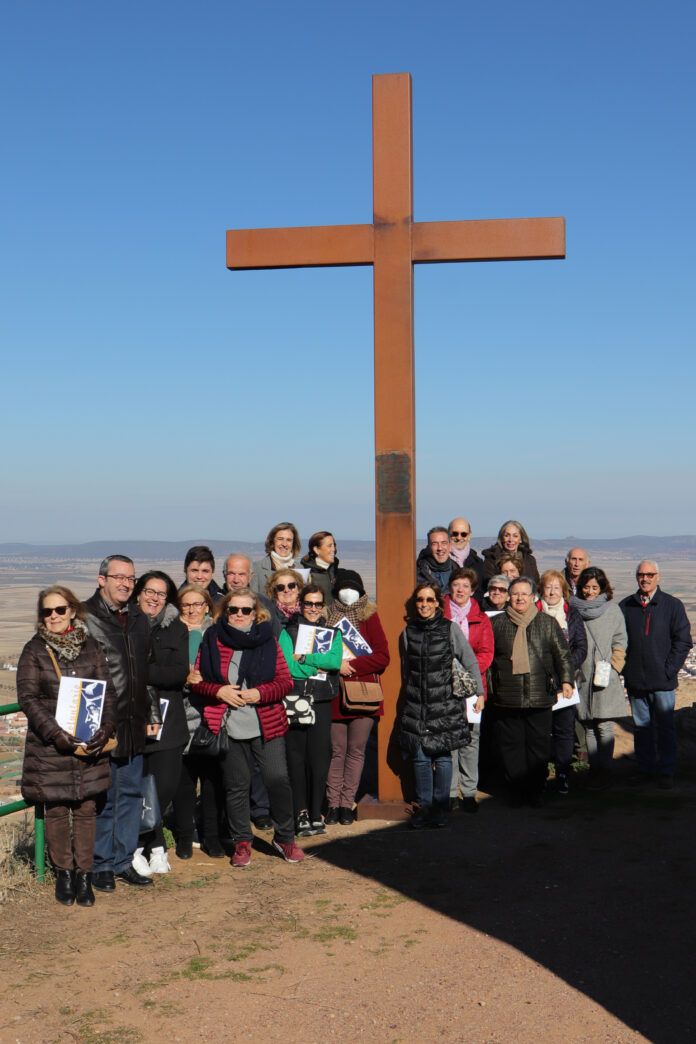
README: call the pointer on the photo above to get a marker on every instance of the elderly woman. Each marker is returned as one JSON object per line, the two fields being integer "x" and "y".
{"x": 282, "y": 552}
{"x": 461, "y": 607}
{"x": 555, "y": 593}
{"x": 245, "y": 678}
{"x": 433, "y": 720}
{"x": 53, "y": 773}
{"x": 283, "y": 589}
{"x": 196, "y": 614}
{"x": 322, "y": 562}
{"x": 156, "y": 596}
{"x": 512, "y": 537}
{"x": 496, "y": 597}
{"x": 315, "y": 678}
{"x": 602, "y": 700}
{"x": 511, "y": 565}
{"x": 350, "y": 730}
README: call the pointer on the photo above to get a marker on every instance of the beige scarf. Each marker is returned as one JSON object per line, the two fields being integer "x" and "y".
{"x": 520, "y": 650}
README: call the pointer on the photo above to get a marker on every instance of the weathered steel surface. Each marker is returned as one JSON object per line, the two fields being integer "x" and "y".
{"x": 392, "y": 244}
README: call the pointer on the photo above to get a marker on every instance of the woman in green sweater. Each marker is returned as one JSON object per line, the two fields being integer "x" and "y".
{"x": 308, "y": 741}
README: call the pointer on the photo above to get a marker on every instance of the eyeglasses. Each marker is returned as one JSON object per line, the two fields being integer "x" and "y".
{"x": 645, "y": 576}
{"x": 426, "y": 601}
{"x": 190, "y": 606}
{"x": 154, "y": 594}
{"x": 60, "y": 609}
{"x": 245, "y": 610}
{"x": 292, "y": 586}
{"x": 459, "y": 533}
{"x": 313, "y": 605}
{"x": 122, "y": 578}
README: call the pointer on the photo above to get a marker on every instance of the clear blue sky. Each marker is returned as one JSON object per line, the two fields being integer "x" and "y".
{"x": 149, "y": 392}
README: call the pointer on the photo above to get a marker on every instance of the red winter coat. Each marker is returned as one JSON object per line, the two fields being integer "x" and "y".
{"x": 480, "y": 637}
{"x": 270, "y": 709}
{"x": 367, "y": 668}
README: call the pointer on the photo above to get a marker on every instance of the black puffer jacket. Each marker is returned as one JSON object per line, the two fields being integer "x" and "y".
{"x": 127, "y": 652}
{"x": 493, "y": 554}
{"x": 549, "y": 663}
{"x": 167, "y": 673}
{"x": 432, "y": 717}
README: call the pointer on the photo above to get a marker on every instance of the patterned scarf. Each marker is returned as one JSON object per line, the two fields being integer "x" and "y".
{"x": 288, "y": 610}
{"x": 355, "y": 613}
{"x": 69, "y": 644}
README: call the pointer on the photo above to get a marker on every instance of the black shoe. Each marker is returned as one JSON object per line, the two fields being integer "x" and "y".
{"x": 83, "y": 888}
{"x": 104, "y": 881}
{"x": 455, "y": 804}
{"x": 437, "y": 818}
{"x": 346, "y": 816}
{"x": 263, "y": 823}
{"x": 331, "y": 817}
{"x": 65, "y": 886}
{"x": 132, "y": 877}
{"x": 562, "y": 784}
{"x": 214, "y": 850}
{"x": 318, "y": 826}
{"x": 419, "y": 819}
{"x": 184, "y": 849}
{"x": 303, "y": 826}
{"x": 470, "y": 805}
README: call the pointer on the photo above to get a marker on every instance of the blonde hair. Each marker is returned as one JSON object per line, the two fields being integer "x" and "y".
{"x": 260, "y": 614}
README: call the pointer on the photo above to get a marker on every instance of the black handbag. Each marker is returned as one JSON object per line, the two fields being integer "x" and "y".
{"x": 210, "y": 744}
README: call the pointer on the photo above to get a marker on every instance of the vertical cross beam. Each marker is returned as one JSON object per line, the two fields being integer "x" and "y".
{"x": 395, "y": 437}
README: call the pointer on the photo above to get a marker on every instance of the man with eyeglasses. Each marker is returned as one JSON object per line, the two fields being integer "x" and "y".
{"x": 659, "y": 640}
{"x": 123, "y": 632}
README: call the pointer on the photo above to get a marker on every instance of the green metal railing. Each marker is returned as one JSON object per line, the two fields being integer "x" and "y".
{"x": 20, "y": 806}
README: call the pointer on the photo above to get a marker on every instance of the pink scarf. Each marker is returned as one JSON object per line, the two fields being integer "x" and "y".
{"x": 460, "y": 555}
{"x": 459, "y": 616}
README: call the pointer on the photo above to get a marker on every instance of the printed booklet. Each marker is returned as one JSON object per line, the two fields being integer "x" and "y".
{"x": 353, "y": 642}
{"x": 312, "y": 639}
{"x": 80, "y": 705}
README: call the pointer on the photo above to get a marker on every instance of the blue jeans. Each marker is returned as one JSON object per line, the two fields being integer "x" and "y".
{"x": 655, "y": 735}
{"x": 118, "y": 823}
{"x": 433, "y": 774}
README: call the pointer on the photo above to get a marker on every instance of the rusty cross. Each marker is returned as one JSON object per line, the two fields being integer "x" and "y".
{"x": 392, "y": 244}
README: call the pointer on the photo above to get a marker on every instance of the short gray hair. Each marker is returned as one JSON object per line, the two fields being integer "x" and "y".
{"x": 501, "y": 580}
{"x": 106, "y": 562}
{"x": 648, "y": 561}
{"x": 523, "y": 580}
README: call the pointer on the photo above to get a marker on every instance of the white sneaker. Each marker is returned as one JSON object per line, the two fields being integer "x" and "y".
{"x": 159, "y": 863}
{"x": 140, "y": 863}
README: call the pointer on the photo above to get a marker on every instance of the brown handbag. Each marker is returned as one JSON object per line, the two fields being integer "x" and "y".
{"x": 360, "y": 697}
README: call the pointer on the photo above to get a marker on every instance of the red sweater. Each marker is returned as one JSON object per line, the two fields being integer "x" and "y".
{"x": 367, "y": 668}
{"x": 270, "y": 709}
{"x": 480, "y": 637}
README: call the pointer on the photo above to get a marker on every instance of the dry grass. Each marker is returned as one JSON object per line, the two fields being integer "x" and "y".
{"x": 17, "y": 877}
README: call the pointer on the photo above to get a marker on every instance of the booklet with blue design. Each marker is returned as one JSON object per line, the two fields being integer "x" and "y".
{"x": 80, "y": 705}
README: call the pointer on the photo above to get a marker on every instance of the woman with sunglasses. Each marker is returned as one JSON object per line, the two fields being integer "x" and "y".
{"x": 52, "y": 773}
{"x": 156, "y": 596}
{"x": 244, "y": 680}
{"x": 314, "y": 675}
{"x": 283, "y": 588}
{"x": 496, "y": 596}
{"x": 433, "y": 720}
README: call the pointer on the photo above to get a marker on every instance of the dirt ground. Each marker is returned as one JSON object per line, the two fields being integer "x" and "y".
{"x": 574, "y": 922}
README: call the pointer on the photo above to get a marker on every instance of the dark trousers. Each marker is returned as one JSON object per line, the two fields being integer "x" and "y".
{"x": 258, "y": 795}
{"x": 236, "y": 767}
{"x": 165, "y": 766}
{"x": 309, "y": 755}
{"x": 524, "y": 743}
{"x": 194, "y": 768}
{"x": 71, "y": 845}
{"x": 563, "y": 735}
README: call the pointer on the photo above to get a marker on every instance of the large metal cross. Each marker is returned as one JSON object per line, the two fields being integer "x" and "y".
{"x": 392, "y": 244}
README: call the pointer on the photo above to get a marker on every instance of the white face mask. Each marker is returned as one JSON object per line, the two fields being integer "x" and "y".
{"x": 348, "y": 596}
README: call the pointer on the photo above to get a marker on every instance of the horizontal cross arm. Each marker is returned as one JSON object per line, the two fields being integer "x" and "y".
{"x": 508, "y": 239}
{"x": 300, "y": 247}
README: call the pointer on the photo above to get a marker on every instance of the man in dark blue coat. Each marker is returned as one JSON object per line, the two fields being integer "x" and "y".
{"x": 659, "y": 640}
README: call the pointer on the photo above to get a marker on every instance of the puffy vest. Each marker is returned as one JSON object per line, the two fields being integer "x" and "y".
{"x": 432, "y": 717}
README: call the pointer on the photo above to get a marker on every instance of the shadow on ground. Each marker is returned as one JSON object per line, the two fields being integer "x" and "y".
{"x": 598, "y": 887}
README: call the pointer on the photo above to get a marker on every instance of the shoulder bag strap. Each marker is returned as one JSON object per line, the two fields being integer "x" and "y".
{"x": 49, "y": 650}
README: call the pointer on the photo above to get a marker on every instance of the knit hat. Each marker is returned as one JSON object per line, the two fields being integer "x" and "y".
{"x": 348, "y": 578}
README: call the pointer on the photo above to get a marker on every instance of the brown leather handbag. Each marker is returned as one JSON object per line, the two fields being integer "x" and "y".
{"x": 360, "y": 697}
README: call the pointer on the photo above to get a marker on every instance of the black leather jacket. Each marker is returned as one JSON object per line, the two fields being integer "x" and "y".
{"x": 549, "y": 663}
{"x": 127, "y": 651}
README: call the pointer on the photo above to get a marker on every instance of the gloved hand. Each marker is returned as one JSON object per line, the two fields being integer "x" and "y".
{"x": 97, "y": 741}
{"x": 63, "y": 741}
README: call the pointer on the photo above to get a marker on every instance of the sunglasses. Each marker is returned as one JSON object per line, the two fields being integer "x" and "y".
{"x": 500, "y": 590}
{"x": 235, "y": 610}
{"x": 426, "y": 601}
{"x": 459, "y": 533}
{"x": 292, "y": 586}
{"x": 60, "y": 609}
{"x": 313, "y": 605}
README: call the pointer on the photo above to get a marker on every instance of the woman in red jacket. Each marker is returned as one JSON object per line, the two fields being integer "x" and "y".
{"x": 350, "y": 732}
{"x": 245, "y": 677}
{"x": 464, "y": 610}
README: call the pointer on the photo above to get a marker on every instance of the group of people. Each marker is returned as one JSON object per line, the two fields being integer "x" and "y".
{"x": 214, "y": 698}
